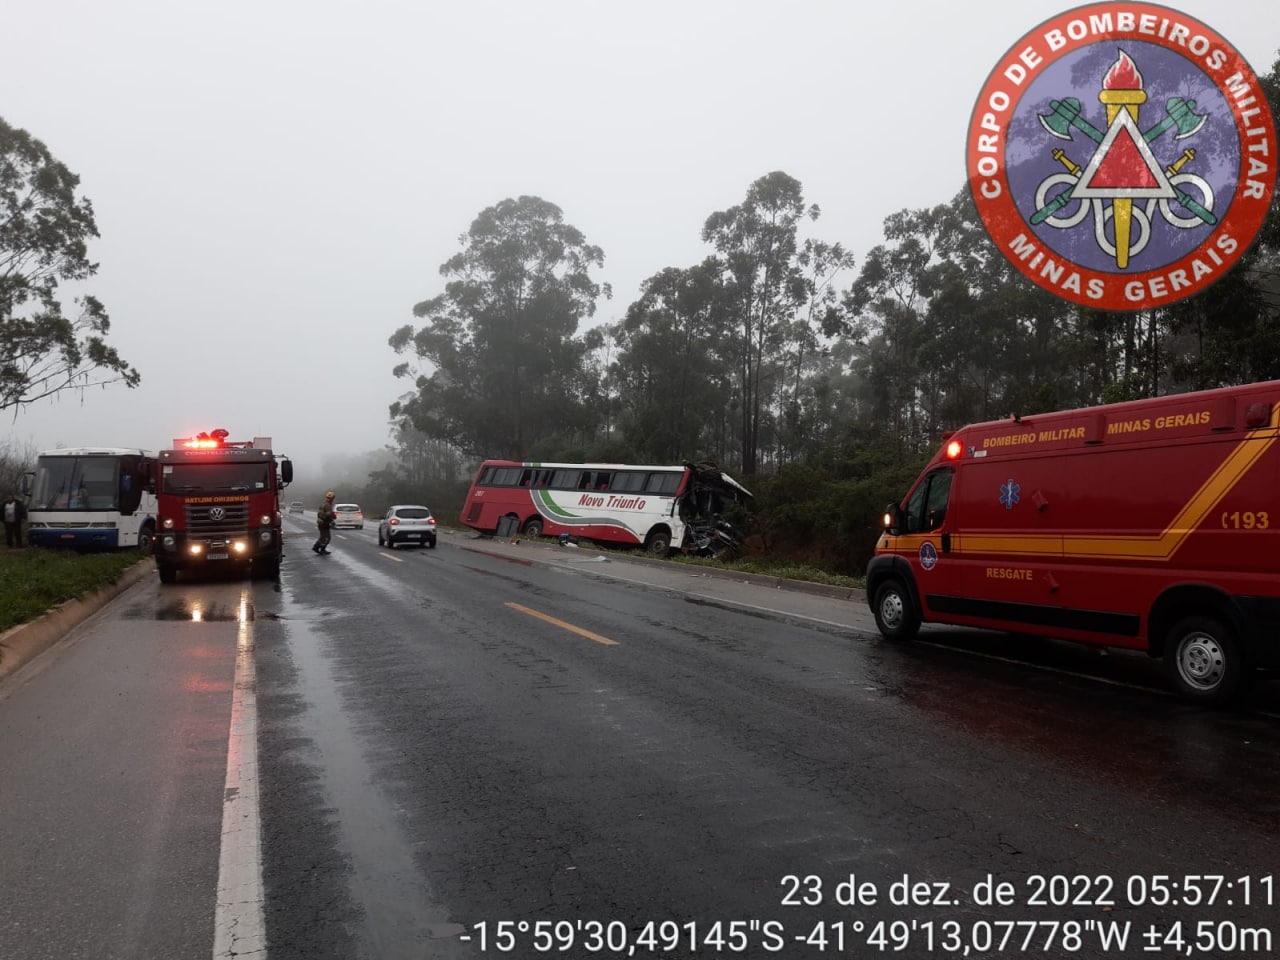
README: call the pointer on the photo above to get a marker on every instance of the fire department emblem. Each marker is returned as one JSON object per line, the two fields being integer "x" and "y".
{"x": 1122, "y": 156}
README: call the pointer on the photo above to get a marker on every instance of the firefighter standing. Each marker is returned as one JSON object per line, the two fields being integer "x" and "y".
{"x": 324, "y": 521}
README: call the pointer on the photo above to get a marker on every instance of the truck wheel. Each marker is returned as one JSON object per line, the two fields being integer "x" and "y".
{"x": 168, "y": 572}
{"x": 533, "y": 529}
{"x": 1204, "y": 661}
{"x": 269, "y": 570}
{"x": 896, "y": 615}
{"x": 658, "y": 543}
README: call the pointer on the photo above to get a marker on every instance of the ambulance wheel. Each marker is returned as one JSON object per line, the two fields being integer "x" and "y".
{"x": 1204, "y": 660}
{"x": 896, "y": 615}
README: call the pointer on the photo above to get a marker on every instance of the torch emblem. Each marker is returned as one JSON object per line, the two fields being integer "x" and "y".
{"x": 1123, "y": 167}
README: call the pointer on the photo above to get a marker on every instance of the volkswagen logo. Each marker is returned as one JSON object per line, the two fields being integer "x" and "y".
{"x": 217, "y": 513}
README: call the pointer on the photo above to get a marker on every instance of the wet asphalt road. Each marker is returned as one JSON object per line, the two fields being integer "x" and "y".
{"x": 460, "y": 743}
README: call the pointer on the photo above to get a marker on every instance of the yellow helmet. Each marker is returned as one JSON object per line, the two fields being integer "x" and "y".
{"x": 330, "y": 495}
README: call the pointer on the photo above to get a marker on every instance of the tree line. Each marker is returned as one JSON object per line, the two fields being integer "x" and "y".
{"x": 823, "y": 383}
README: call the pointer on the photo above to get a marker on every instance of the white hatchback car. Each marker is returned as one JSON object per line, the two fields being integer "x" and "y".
{"x": 407, "y": 522}
{"x": 348, "y": 515}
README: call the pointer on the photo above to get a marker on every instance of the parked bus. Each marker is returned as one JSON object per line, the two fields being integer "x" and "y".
{"x": 90, "y": 498}
{"x": 658, "y": 507}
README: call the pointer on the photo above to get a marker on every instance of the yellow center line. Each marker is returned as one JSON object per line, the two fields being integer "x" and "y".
{"x": 567, "y": 626}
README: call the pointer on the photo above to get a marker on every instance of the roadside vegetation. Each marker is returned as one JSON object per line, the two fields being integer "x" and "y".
{"x": 34, "y": 581}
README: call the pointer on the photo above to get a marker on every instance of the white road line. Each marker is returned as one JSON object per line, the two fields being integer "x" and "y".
{"x": 239, "y": 929}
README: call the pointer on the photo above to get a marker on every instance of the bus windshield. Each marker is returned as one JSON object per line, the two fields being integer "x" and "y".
{"x": 215, "y": 477}
{"x": 76, "y": 483}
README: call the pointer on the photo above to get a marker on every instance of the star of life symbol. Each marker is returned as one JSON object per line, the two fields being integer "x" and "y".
{"x": 1123, "y": 168}
{"x": 1009, "y": 493}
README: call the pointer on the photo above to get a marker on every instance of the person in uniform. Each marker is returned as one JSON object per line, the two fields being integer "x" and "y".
{"x": 324, "y": 521}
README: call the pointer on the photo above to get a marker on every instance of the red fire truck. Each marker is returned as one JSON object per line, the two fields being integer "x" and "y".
{"x": 1152, "y": 525}
{"x": 218, "y": 505}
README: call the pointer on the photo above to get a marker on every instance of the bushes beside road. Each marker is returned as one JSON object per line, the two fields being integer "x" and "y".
{"x": 34, "y": 581}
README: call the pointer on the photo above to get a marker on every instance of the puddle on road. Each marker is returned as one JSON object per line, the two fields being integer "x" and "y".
{"x": 400, "y": 915}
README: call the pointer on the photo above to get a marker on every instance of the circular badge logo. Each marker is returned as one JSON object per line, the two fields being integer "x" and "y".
{"x": 928, "y": 555}
{"x": 1122, "y": 156}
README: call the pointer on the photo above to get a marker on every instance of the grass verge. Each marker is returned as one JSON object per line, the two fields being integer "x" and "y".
{"x": 34, "y": 581}
{"x": 786, "y": 569}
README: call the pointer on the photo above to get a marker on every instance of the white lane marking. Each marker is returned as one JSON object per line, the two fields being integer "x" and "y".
{"x": 239, "y": 929}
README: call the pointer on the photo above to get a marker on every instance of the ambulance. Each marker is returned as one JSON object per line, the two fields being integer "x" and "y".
{"x": 1152, "y": 525}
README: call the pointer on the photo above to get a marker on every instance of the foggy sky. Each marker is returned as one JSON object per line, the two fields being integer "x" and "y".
{"x": 277, "y": 183}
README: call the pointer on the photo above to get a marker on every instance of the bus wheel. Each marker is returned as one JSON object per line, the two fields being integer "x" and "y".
{"x": 896, "y": 615}
{"x": 533, "y": 528}
{"x": 145, "y": 537}
{"x": 168, "y": 572}
{"x": 659, "y": 543}
{"x": 1204, "y": 661}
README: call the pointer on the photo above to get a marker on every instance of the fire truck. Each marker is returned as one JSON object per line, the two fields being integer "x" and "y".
{"x": 218, "y": 505}
{"x": 1152, "y": 525}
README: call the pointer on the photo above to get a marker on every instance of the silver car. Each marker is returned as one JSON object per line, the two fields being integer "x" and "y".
{"x": 407, "y": 523}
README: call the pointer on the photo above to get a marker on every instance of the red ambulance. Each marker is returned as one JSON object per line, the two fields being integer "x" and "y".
{"x": 1152, "y": 525}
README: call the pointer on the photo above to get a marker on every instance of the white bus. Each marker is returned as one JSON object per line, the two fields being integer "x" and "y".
{"x": 91, "y": 498}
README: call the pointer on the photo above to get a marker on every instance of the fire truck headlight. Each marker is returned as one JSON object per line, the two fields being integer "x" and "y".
{"x": 264, "y": 537}
{"x": 264, "y": 520}
{"x": 239, "y": 546}
{"x": 196, "y": 549}
{"x": 167, "y": 523}
{"x": 168, "y": 543}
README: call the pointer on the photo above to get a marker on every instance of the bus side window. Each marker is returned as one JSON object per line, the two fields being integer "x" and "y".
{"x": 602, "y": 481}
{"x": 526, "y": 478}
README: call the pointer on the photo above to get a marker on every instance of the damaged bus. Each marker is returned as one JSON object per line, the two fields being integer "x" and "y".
{"x": 658, "y": 507}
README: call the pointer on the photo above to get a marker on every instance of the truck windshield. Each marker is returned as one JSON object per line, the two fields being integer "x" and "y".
{"x": 215, "y": 477}
{"x": 76, "y": 483}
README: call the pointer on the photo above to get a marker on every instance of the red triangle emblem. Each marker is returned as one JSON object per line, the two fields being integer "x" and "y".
{"x": 1123, "y": 167}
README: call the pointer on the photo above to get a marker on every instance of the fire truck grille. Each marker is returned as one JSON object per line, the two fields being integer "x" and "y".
{"x": 226, "y": 519}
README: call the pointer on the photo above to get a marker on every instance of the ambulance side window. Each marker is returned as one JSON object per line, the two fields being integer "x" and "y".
{"x": 927, "y": 508}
